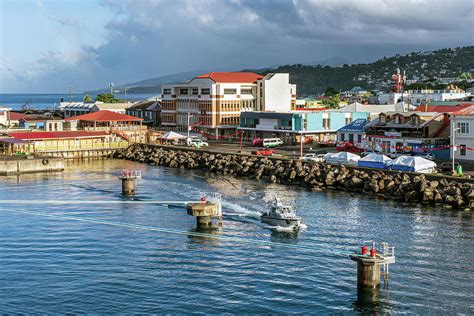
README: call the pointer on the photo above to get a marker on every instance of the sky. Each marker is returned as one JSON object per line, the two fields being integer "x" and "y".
{"x": 47, "y": 46}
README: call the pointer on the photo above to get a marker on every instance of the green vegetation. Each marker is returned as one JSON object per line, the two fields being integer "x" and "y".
{"x": 87, "y": 98}
{"x": 330, "y": 91}
{"x": 108, "y": 98}
{"x": 444, "y": 63}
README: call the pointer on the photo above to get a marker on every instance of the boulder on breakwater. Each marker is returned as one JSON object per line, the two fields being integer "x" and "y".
{"x": 408, "y": 187}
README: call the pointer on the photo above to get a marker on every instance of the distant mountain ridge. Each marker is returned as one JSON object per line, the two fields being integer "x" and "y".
{"x": 420, "y": 66}
{"x": 337, "y": 72}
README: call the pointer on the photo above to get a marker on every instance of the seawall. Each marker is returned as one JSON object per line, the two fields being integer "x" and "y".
{"x": 19, "y": 165}
{"x": 435, "y": 190}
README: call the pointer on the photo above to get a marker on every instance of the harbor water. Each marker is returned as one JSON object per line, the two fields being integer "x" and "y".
{"x": 73, "y": 256}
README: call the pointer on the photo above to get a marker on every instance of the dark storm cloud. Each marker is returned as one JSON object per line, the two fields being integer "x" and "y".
{"x": 147, "y": 38}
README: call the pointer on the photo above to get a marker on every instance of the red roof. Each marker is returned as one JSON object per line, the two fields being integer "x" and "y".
{"x": 54, "y": 135}
{"x": 14, "y": 116}
{"x": 442, "y": 108}
{"x": 104, "y": 116}
{"x": 231, "y": 77}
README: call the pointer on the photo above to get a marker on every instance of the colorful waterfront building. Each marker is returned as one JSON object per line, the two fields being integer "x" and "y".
{"x": 63, "y": 143}
{"x": 318, "y": 126}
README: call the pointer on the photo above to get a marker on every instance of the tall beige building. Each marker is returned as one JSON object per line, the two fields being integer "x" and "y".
{"x": 212, "y": 102}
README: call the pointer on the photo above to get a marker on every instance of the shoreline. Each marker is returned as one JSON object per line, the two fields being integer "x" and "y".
{"x": 414, "y": 188}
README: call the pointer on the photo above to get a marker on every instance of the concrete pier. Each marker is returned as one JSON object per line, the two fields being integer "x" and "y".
{"x": 11, "y": 165}
{"x": 204, "y": 213}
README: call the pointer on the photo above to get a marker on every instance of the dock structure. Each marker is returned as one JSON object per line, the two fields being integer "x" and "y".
{"x": 206, "y": 210}
{"x": 369, "y": 264}
{"x": 129, "y": 181}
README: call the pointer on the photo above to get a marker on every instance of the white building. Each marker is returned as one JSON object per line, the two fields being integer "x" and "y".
{"x": 416, "y": 97}
{"x": 275, "y": 93}
{"x": 4, "y": 116}
{"x": 75, "y": 108}
{"x": 212, "y": 102}
{"x": 113, "y": 107}
{"x": 463, "y": 137}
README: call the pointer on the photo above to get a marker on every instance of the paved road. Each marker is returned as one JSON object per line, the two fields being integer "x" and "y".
{"x": 283, "y": 150}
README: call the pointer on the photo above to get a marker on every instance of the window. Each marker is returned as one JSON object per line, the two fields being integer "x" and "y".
{"x": 343, "y": 137}
{"x": 463, "y": 127}
{"x": 348, "y": 120}
{"x": 166, "y": 91}
{"x": 326, "y": 123}
{"x": 463, "y": 150}
{"x": 359, "y": 138}
{"x": 246, "y": 91}
{"x": 183, "y": 91}
{"x": 195, "y": 91}
{"x": 205, "y": 91}
{"x": 230, "y": 91}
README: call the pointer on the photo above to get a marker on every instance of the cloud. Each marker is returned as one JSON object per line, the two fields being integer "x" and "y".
{"x": 64, "y": 21}
{"x": 148, "y": 38}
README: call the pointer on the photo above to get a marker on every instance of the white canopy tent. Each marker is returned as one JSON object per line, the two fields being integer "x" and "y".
{"x": 342, "y": 158}
{"x": 374, "y": 161}
{"x": 172, "y": 136}
{"x": 413, "y": 164}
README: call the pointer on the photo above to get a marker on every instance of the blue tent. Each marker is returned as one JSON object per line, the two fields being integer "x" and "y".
{"x": 374, "y": 161}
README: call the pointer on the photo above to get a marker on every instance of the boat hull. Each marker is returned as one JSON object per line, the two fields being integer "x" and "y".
{"x": 272, "y": 221}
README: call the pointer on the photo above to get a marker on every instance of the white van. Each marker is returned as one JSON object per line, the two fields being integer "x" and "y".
{"x": 272, "y": 142}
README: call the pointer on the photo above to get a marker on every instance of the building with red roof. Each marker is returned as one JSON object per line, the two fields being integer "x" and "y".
{"x": 62, "y": 143}
{"x": 211, "y": 103}
{"x": 231, "y": 77}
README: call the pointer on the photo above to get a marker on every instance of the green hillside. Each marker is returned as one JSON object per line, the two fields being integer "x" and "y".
{"x": 443, "y": 63}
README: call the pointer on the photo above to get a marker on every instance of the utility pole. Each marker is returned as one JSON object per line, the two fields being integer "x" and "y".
{"x": 111, "y": 86}
{"x": 301, "y": 145}
{"x": 125, "y": 90}
{"x": 454, "y": 141}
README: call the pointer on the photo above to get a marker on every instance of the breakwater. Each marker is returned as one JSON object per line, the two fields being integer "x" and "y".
{"x": 403, "y": 186}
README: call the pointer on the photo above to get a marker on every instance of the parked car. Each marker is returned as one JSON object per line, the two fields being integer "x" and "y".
{"x": 196, "y": 142}
{"x": 263, "y": 152}
{"x": 313, "y": 157}
{"x": 257, "y": 142}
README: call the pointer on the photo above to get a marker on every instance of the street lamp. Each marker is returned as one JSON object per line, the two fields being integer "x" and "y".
{"x": 189, "y": 116}
{"x": 454, "y": 141}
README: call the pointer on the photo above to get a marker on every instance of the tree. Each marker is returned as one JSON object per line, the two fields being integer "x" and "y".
{"x": 330, "y": 91}
{"x": 107, "y": 98}
{"x": 87, "y": 98}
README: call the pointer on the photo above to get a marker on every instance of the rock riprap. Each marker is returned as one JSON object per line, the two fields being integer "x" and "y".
{"x": 408, "y": 187}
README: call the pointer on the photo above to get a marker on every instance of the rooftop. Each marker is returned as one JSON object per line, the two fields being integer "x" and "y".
{"x": 231, "y": 77}
{"x": 105, "y": 116}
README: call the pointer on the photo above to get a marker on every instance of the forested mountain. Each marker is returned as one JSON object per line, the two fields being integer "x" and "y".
{"x": 420, "y": 66}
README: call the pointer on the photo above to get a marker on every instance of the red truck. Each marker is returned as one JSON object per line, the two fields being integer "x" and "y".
{"x": 263, "y": 152}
